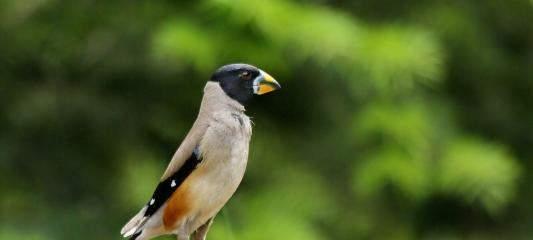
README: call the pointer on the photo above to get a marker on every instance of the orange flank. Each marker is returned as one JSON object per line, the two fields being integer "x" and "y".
{"x": 177, "y": 207}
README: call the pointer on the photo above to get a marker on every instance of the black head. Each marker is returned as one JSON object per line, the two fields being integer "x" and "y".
{"x": 241, "y": 81}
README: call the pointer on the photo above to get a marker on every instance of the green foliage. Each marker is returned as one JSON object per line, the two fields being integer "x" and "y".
{"x": 395, "y": 167}
{"x": 412, "y": 155}
{"x": 138, "y": 177}
{"x": 21, "y": 234}
{"x": 397, "y": 120}
{"x": 479, "y": 173}
{"x": 182, "y": 43}
{"x": 404, "y": 155}
{"x": 398, "y": 57}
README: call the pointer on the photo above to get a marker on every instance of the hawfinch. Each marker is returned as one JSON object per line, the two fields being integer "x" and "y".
{"x": 209, "y": 164}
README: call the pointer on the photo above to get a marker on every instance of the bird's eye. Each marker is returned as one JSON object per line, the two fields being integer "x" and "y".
{"x": 245, "y": 75}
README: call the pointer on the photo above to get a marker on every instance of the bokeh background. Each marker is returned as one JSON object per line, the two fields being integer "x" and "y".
{"x": 397, "y": 119}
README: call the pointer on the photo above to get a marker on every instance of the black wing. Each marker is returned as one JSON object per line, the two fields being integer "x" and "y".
{"x": 165, "y": 188}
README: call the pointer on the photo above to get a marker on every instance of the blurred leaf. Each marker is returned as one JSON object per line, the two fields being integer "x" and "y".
{"x": 392, "y": 167}
{"x": 313, "y": 31}
{"x": 480, "y": 172}
{"x": 179, "y": 43}
{"x": 311, "y": 201}
{"x": 409, "y": 125}
{"x": 398, "y": 57}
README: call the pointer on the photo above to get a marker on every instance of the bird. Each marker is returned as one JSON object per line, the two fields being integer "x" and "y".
{"x": 209, "y": 164}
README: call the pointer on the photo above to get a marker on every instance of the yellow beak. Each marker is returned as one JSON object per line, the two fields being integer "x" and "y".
{"x": 264, "y": 83}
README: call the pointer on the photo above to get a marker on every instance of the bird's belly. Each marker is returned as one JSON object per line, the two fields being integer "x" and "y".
{"x": 225, "y": 155}
{"x": 213, "y": 185}
{"x": 220, "y": 179}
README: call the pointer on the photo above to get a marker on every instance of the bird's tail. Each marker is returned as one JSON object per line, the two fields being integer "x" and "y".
{"x": 133, "y": 228}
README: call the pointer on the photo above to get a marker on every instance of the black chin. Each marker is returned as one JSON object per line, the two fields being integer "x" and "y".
{"x": 242, "y": 98}
{"x": 237, "y": 92}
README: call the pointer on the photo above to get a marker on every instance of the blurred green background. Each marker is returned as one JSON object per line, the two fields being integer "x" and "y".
{"x": 397, "y": 119}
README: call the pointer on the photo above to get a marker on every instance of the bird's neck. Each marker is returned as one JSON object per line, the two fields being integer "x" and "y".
{"x": 215, "y": 99}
